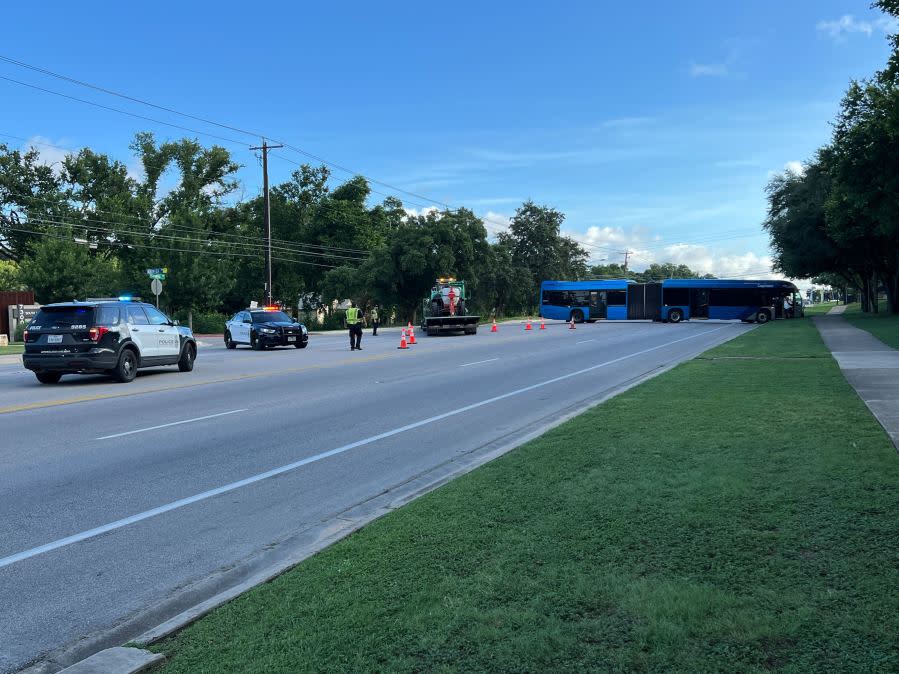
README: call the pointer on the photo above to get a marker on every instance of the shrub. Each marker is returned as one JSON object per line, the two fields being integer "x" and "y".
{"x": 204, "y": 322}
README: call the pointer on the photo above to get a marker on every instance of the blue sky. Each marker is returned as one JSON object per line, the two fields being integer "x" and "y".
{"x": 652, "y": 126}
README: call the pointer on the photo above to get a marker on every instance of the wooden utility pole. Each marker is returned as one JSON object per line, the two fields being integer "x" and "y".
{"x": 268, "y": 219}
{"x": 626, "y": 254}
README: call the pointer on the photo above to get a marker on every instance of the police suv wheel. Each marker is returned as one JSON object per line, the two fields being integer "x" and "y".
{"x": 300, "y": 345}
{"x": 229, "y": 343}
{"x": 256, "y": 343}
{"x": 188, "y": 356}
{"x": 126, "y": 369}
{"x": 48, "y": 377}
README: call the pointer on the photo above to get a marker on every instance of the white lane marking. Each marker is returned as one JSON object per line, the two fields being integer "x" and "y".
{"x": 180, "y": 503}
{"x": 584, "y": 341}
{"x": 174, "y": 423}
{"x": 478, "y": 362}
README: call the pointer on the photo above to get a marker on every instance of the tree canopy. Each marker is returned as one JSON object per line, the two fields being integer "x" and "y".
{"x": 840, "y": 215}
{"x": 90, "y": 226}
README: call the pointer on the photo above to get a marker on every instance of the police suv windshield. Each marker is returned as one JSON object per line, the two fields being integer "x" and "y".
{"x": 271, "y": 316}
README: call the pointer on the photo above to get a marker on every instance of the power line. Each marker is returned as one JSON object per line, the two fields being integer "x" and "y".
{"x": 204, "y": 120}
{"x": 285, "y": 242}
{"x": 119, "y": 244}
{"x": 160, "y": 235}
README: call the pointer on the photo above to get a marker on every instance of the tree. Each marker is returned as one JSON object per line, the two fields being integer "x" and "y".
{"x": 536, "y": 245}
{"x": 891, "y": 7}
{"x": 28, "y": 190}
{"x": 10, "y": 276}
{"x": 863, "y": 208}
{"x": 59, "y": 269}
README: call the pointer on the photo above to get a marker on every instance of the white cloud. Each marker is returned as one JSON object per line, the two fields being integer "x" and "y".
{"x": 839, "y": 29}
{"x": 495, "y": 222}
{"x": 51, "y": 154}
{"x": 606, "y": 245}
{"x": 794, "y": 167}
{"x": 415, "y": 212}
{"x": 708, "y": 69}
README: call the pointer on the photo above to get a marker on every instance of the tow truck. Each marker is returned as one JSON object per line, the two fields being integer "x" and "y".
{"x": 444, "y": 310}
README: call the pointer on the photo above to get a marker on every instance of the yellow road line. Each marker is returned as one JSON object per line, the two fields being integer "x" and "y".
{"x": 224, "y": 380}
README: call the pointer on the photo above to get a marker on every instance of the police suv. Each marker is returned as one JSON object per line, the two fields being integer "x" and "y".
{"x": 116, "y": 336}
{"x": 264, "y": 327}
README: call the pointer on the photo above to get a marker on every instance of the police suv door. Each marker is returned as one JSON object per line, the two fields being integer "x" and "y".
{"x": 142, "y": 333}
{"x": 168, "y": 339}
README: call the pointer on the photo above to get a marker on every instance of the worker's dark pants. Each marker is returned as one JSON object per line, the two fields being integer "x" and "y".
{"x": 374, "y": 328}
{"x": 356, "y": 336}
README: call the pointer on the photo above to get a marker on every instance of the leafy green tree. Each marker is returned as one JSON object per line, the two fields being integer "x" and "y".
{"x": 30, "y": 201}
{"x": 537, "y": 246}
{"x": 57, "y": 269}
{"x": 10, "y": 276}
{"x": 607, "y": 271}
{"x": 863, "y": 208}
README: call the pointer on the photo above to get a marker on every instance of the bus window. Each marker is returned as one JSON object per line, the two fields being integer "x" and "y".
{"x": 677, "y": 297}
{"x": 616, "y": 298}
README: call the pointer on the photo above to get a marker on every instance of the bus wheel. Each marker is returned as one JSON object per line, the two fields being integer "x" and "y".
{"x": 675, "y": 316}
{"x": 762, "y": 317}
{"x": 577, "y": 316}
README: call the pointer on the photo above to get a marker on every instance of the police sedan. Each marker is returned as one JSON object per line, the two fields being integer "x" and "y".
{"x": 262, "y": 328}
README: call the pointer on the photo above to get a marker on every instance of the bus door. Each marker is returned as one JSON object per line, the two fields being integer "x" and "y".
{"x": 598, "y": 305}
{"x": 699, "y": 303}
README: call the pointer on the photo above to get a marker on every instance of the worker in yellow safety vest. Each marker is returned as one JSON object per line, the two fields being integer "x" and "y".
{"x": 354, "y": 323}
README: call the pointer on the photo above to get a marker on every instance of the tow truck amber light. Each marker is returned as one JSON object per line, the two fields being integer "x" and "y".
{"x": 96, "y": 334}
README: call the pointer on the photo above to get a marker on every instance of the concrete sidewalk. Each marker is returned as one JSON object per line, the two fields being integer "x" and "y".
{"x": 868, "y": 364}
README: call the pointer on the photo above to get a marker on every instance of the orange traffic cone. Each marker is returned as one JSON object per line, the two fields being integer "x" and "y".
{"x": 493, "y": 329}
{"x": 411, "y": 334}
{"x": 542, "y": 323}
{"x": 571, "y": 325}
{"x": 528, "y": 326}
{"x": 403, "y": 344}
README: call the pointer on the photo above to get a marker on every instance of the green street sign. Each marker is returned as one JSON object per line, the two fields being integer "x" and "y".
{"x": 160, "y": 276}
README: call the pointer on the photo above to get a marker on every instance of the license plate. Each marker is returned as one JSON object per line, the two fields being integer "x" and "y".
{"x": 54, "y": 339}
{"x": 291, "y": 339}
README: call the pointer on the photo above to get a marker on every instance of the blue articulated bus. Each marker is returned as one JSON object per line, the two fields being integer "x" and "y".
{"x": 671, "y": 300}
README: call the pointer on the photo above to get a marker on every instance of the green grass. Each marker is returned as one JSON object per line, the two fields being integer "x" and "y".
{"x": 882, "y": 325}
{"x": 738, "y": 513}
{"x": 11, "y": 349}
{"x": 818, "y": 309}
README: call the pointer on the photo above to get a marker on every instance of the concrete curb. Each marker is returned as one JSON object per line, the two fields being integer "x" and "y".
{"x": 120, "y": 660}
{"x": 212, "y": 592}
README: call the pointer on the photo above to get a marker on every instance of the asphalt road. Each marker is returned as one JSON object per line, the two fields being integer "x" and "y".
{"x": 115, "y": 498}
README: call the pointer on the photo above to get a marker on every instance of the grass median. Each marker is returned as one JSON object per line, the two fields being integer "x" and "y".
{"x": 737, "y": 513}
{"x": 12, "y": 349}
{"x": 882, "y": 325}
